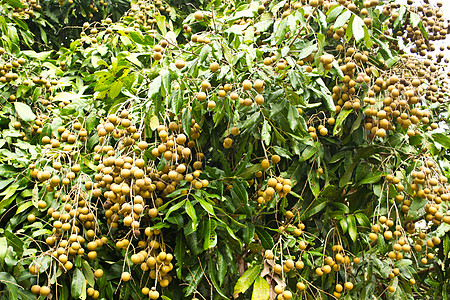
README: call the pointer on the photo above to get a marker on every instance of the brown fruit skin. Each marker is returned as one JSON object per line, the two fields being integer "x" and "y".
{"x": 45, "y": 291}
{"x": 35, "y": 289}
{"x": 180, "y": 64}
{"x": 198, "y": 15}
{"x": 265, "y": 164}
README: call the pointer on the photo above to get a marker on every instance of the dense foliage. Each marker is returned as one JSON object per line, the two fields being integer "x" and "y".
{"x": 223, "y": 149}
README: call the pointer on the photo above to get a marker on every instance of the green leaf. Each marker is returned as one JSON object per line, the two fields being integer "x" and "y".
{"x": 306, "y": 51}
{"x": 154, "y": 122}
{"x": 265, "y": 133}
{"x": 11, "y": 285}
{"x": 24, "y": 112}
{"x": 186, "y": 120}
{"x": 313, "y": 183}
{"x": 280, "y": 32}
{"x": 265, "y": 238}
{"x": 442, "y": 139}
{"x": 174, "y": 208}
{"x": 115, "y": 89}
{"x": 342, "y": 19}
{"x": 261, "y": 289}
{"x": 193, "y": 277}
{"x": 154, "y": 88}
{"x": 309, "y": 151}
{"x": 326, "y": 94}
{"x": 343, "y": 114}
{"x": 206, "y": 206}
{"x": 14, "y": 241}
{"x": 210, "y": 234}
{"x": 334, "y": 13}
{"x": 213, "y": 275}
{"x": 358, "y": 28}
{"x": 401, "y": 16}
{"x": 88, "y": 273}
{"x": 241, "y": 191}
{"x": 247, "y": 279}
{"x": 293, "y": 117}
{"x": 344, "y": 225}
{"x": 204, "y": 53}
{"x": 315, "y": 207}
{"x": 362, "y": 219}
{"x": 352, "y": 231}
{"x": 222, "y": 267}
{"x": 161, "y": 22}
{"x": 415, "y": 19}
{"x": 78, "y": 284}
{"x": 191, "y": 212}
{"x": 3, "y": 249}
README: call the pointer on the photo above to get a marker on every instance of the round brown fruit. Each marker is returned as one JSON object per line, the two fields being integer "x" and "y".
{"x": 198, "y": 15}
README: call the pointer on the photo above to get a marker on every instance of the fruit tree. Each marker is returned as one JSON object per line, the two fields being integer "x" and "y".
{"x": 157, "y": 149}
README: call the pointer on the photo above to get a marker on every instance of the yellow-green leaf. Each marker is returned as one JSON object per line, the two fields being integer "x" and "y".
{"x": 246, "y": 279}
{"x": 261, "y": 289}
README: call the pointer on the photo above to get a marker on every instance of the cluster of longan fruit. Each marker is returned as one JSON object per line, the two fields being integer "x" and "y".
{"x": 74, "y": 234}
{"x": 8, "y": 68}
{"x": 346, "y": 94}
{"x": 26, "y": 12}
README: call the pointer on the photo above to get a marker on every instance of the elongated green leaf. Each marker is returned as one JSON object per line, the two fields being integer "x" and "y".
{"x": 342, "y": 19}
{"x": 265, "y": 133}
{"x": 305, "y": 52}
{"x": 309, "y": 151}
{"x": 280, "y": 31}
{"x": 207, "y": 206}
{"x": 265, "y": 238}
{"x": 362, "y": 219}
{"x": 14, "y": 241}
{"x": 401, "y": 16}
{"x": 442, "y": 139}
{"x": 352, "y": 231}
{"x": 344, "y": 225}
{"x": 313, "y": 183}
{"x": 194, "y": 276}
{"x": 115, "y": 89}
{"x": 222, "y": 267}
{"x": 78, "y": 284}
{"x": 332, "y": 14}
{"x": 174, "y": 208}
{"x": 3, "y": 249}
{"x": 210, "y": 234}
{"x": 247, "y": 279}
{"x": 186, "y": 120}
{"x": 191, "y": 213}
{"x": 11, "y": 285}
{"x": 415, "y": 19}
{"x": 154, "y": 88}
{"x": 241, "y": 191}
{"x": 315, "y": 207}
{"x": 24, "y": 111}
{"x": 358, "y": 28}
{"x": 213, "y": 275}
{"x": 88, "y": 273}
{"x": 161, "y": 22}
{"x": 293, "y": 117}
{"x": 261, "y": 289}
{"x": 340, "y": 119}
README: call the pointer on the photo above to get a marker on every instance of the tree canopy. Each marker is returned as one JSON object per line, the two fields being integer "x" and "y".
{"x": 223, "y": 150}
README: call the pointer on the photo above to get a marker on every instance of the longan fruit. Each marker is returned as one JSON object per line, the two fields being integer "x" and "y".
{"x": 265, "y": 164}
{"x": 125, "y": 276}
{"x": 198, "y": 15}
